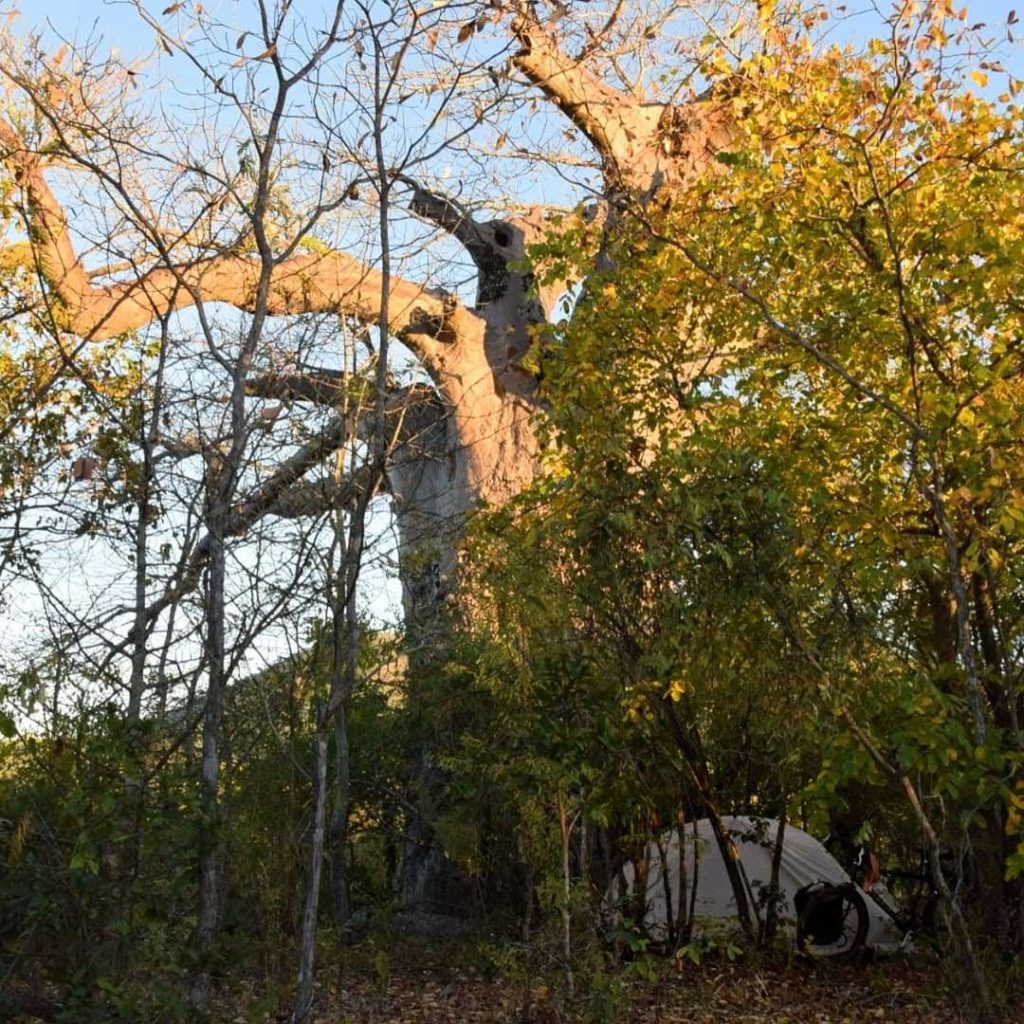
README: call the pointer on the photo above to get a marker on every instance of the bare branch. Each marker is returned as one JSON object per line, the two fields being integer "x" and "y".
{"x": 283, "y": 494}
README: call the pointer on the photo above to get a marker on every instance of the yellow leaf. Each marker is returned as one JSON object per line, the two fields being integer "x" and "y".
{"x": 980, "y": 77}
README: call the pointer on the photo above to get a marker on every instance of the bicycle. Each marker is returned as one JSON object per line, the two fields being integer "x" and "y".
{"x": 917, "y": 910}
{"x": 832, "y": 919}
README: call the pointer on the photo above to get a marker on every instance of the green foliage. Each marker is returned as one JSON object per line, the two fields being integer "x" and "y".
{"x": 98, "y": 877}
{"x": 776, "y": 556}
{"x": 99, "y": 837}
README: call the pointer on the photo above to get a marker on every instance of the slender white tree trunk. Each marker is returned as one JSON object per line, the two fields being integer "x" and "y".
{"x": 307, "y": 953}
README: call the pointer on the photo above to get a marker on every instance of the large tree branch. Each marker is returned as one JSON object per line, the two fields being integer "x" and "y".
{"x": 319, "y": 385}
{"x": 504, "y": 295}
{"x": 262, "y": 499}
{"x": 310, "y": 498}
{"x": 409, "y": 409}
{"x": 644, "y": 146}
{"x": 309, "y": 283}
{"x": 445, "y": 212}
{"x": 490, "y": 244}
{"x": 592, "y": 105}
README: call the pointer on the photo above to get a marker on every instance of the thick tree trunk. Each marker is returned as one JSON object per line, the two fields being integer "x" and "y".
{"x": 469, "y": 438}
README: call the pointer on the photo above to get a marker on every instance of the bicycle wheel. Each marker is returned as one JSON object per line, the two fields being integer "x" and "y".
{"x": 832, "y": 920}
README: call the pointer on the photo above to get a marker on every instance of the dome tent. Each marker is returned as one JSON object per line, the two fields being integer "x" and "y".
{"x": 808, "y": 875}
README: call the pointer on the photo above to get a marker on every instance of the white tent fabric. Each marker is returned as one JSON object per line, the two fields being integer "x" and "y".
{"x": 804, "y": 862}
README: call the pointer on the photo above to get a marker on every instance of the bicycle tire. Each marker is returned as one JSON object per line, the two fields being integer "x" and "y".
{"x": 842, "y": 903}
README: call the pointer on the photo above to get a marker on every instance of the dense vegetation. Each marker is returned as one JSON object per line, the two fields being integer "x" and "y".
{"x": 771, "y": 563}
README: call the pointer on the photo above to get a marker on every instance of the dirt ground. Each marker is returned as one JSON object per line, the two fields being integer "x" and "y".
{"x": 372, "y": 988}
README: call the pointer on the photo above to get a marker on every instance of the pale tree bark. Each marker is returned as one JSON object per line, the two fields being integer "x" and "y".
{"x": 467, "y": 438}
{"x": 645, "y": 147}
{"x": 481, "y": 422}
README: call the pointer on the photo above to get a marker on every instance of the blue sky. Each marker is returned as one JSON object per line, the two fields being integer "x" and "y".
{"x": 119, "y": 25}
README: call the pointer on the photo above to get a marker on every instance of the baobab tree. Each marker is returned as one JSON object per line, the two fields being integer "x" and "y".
{"x": 466, "y": 429}
{"x": 462, "y": 434}
{"x": 470, "y": 435}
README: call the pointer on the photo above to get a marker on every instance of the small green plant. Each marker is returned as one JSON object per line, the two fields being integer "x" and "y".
{"x": 696, "y": 951}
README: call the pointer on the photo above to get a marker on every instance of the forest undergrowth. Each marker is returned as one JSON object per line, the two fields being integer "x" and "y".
{"x": 415, "y": 981}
